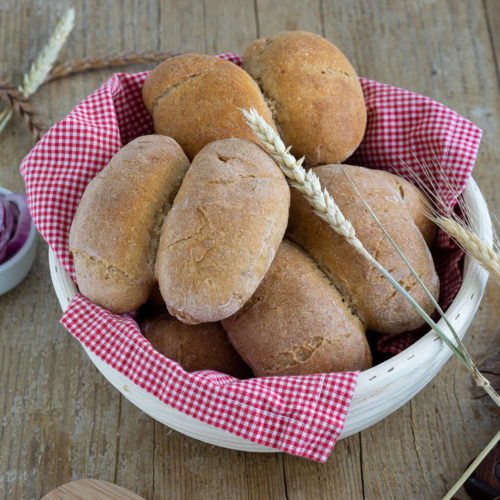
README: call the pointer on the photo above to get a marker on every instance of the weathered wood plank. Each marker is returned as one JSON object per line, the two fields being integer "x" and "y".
{"x": 289, "y": 15}
{"x": 41, "y": 365}
{"x": 182, "y": 26}
{"x": 440, "y": 49}
{"x": 492, "y": 12}
{"x": 229, "y": 29}
{"x": 189, "y": 469}
{"x": 340, "y": 477}
{"x": 136, "y": 443}
{"x": 265, "y": 476}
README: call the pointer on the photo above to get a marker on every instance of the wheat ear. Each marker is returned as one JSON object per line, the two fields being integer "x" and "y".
{"x": 440, "y": 211}
{"x": 38, "y": 72}
{"x": 47, "y": 57}
{"x": 306, "y": 182}
{"x": 485, "y": 254}
{"x": 325, "y": 207}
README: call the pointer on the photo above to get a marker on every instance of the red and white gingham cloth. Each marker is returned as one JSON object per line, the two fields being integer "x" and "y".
{"x": 299, "y": 415}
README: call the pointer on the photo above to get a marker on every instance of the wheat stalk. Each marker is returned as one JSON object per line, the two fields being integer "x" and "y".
{"x": 325, "y": 207}
{"x": 72, "y": 67}
{"x": 5, "y": 116}
{"x": 19, "y": 103}
{"x": 472, "y": 467}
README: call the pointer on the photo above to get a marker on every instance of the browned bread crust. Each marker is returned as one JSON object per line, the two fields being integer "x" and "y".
{"x": 370, "y": 295}
{"x": 313, "y": 92}
{"x": 296, "y": 323}
{"x": 222, "y": 232}
{"x": 194, "y": 347}
{"x": 416, "y": 203}
{"x": 194, "y": 98}
{"x": 115, "y": 231}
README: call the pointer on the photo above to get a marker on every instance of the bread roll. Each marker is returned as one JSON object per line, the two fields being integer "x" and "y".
{"x": 116, "y": 227}
{"x": 370, "y": 295}
{"x": 415, "y": 202}
{"x": 313, "y": 93}
{"x": 194, "y": 347}
{"x": 221, "y": 235}
{"x": 194, "y": 98}
{"x": 296, "y": 323}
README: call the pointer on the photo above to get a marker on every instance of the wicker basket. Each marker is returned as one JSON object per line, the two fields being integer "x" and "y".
{"x": 380, "y": 390}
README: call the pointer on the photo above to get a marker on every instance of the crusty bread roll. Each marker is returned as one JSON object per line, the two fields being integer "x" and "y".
{"x": 416, "y": 203}
{"x": 116, "y": 227}
{"x": 222, "y": 232}
{"x": 297, "y": 323}
{"x": 313, "y": 92}
{"x": 194, "y": 347}
{"x": 194, "y": 98}
{"x": 370, "y": 295}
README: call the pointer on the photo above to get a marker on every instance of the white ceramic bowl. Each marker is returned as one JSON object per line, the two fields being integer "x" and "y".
{"x": 380, "y": 390}
{"x": 13, "y": 271}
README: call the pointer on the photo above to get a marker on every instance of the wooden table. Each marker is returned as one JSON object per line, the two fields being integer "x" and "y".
{"x": 61, "y": 420}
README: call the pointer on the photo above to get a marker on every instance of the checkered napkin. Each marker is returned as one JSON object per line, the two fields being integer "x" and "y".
{"x": 302, "y": 415}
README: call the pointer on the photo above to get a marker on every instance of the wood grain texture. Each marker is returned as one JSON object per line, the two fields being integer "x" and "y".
{"x": 288, "y": 15}
{"x": 60, "y": 420}
{"x": 492, "y": 14}
{"x": 134, "y": 468}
